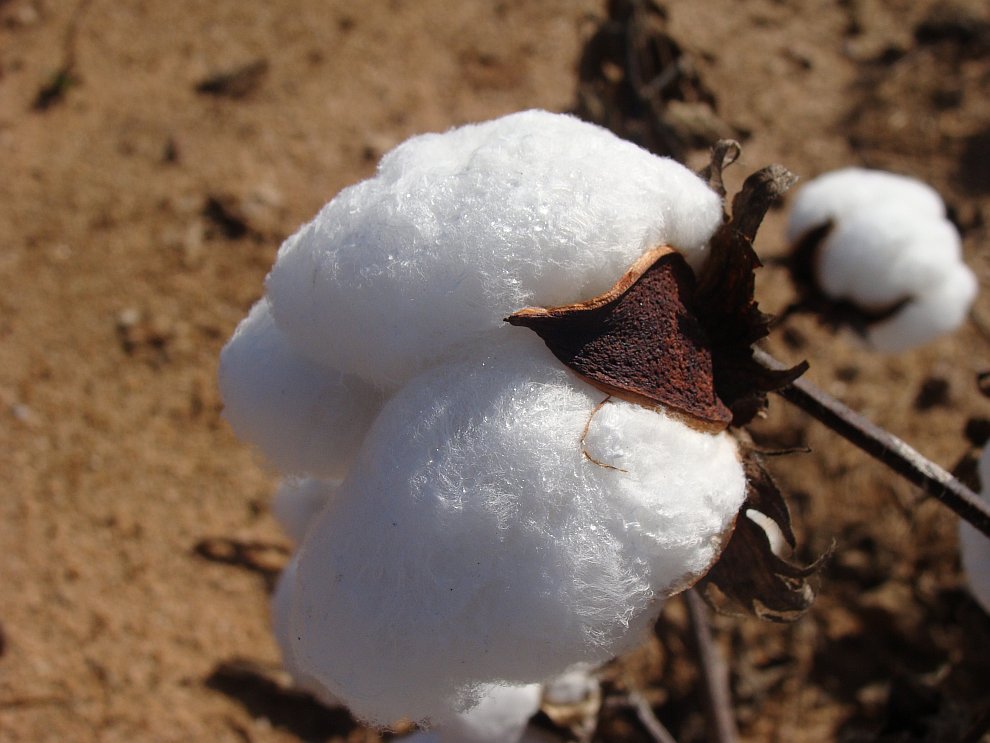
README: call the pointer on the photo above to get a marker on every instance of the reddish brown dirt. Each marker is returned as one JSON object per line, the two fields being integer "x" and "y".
{"x": 139, "y": 215}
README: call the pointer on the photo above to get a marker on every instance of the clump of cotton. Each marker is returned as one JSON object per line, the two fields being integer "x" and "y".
{"x": 281, "y": 611}
{"x": 500, "y": 717}
{"x": 474, "y": 543}
{"x": 975, "y": 547}
{"x": 304, "y": 416}
{"x": 889, "y": 247}
{"x": 458, "y": 230}
{"x": 833, "y": 196}
{"x": 775, "y": 535}
{"x": 297, "y": 501}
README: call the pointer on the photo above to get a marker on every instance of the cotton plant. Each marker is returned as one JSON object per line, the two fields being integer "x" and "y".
{"x": 881, "y": 243}
{"x": 474, "y": 515}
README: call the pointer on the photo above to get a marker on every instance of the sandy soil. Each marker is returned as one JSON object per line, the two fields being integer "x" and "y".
{"x": 141, "y": 204}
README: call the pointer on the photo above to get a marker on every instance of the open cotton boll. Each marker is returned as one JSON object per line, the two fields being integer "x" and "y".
{"x": 305, "y": 418}
{"x": 458, "y": 230}
{"x": 886, "y": 253}
{"x": 974, "y": 546}
{"x": 473, "y": 542}
{"x": 500, "y": 717}
{"x": 940, "y": 309}
{"x": 835, "y": 195}
{"x": 297, "y": 501}
{"x": 889, "y": 244}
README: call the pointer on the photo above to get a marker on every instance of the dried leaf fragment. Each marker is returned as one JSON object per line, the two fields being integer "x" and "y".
{"x": 748, "y": 575}
{"x": 726, "y": 288}
{"x": 640, "y": 341}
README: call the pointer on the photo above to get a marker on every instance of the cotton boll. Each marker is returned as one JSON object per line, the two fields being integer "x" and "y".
{"x": 473, "y": 543}
{"x": 304, "y": 417}
{"x": 885, "y": 253}
{"x": 458, "y": 230}
{"x": 975, "y": 547}
{"x": 940, "y": 309}
{"x": 889, "y": 243}
{"x": 840, "y": 193}
{"x": 297, "y": 501}
{"x": 500, "y": 717}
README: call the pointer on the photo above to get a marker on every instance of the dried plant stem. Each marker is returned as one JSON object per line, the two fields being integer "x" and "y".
{"x": 649, "y": 721}
{"x": 714, "y": 672}
{"x": 884, "y": 446}
{"x": 978, "y": 728}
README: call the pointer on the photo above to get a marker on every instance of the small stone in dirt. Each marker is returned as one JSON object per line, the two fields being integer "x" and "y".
{"x": 236, "y": 83}
{"x": 977, "y": 431}
{"x": 55, "y": 89}
{"x": 934, "y": 393}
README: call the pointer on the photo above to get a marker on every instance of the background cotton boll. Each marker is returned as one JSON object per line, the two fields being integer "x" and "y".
{"x": 974, "y": 546}
{"x": 304, "y": 417}
{"x": 458, "y": 230}
{"x": 886, "y": 253}
{"x": 473, "y": 542}
{"x": 297, "y": 501}
{"x": 500, "y": 717}
{"x": 943, "y": 307}
{"x": 835, "y": 195}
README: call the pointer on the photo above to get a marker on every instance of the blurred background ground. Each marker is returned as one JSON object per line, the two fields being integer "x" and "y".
{"x": 153, "y": 155}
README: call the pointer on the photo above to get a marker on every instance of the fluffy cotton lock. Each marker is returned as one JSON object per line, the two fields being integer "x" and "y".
{"x": 500, "y": 717}
{"x": 889, "y": 244}
{"x": 306, "y": 417}
{"x": 458, "y": 230}
{"x": 473, "y": 542}
{"x": 974, "y": 546}
{"x": 297, "y": 501}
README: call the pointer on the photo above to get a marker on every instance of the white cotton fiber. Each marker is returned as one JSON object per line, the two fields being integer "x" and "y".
{"x": 500, "y": 717}
{"x": 938, "y": 310}
{"x": 473, "y": 543}
{"x": 281, "y": 605}
{"x": 304, "y": 417}
{"x": 889, "y": 242}
{"x": 458, "y": 230}
{"x": 297, "y": 501}
{"x": 881, "y": 255}
{"x": 974, "y": 545}
{"x": 835, "y": 195}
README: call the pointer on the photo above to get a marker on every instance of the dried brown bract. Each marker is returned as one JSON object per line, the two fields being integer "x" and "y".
{"x": 663, "y": 338}
{"x": 749, "y": 576}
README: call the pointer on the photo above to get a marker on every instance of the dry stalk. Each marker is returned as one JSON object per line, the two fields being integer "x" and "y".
{"x": 883, "y": 446}
{"x": 714, "y": 672}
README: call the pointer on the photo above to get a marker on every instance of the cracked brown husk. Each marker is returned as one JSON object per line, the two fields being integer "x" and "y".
{"x": 667, "y": 339}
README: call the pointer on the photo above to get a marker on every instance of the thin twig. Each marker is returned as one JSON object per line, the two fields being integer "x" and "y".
{"x": 714, "y": 672}
{"x": 646, "y": 717}
{"x": 978, "y": 728}
{"x": 883, "y": 446}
